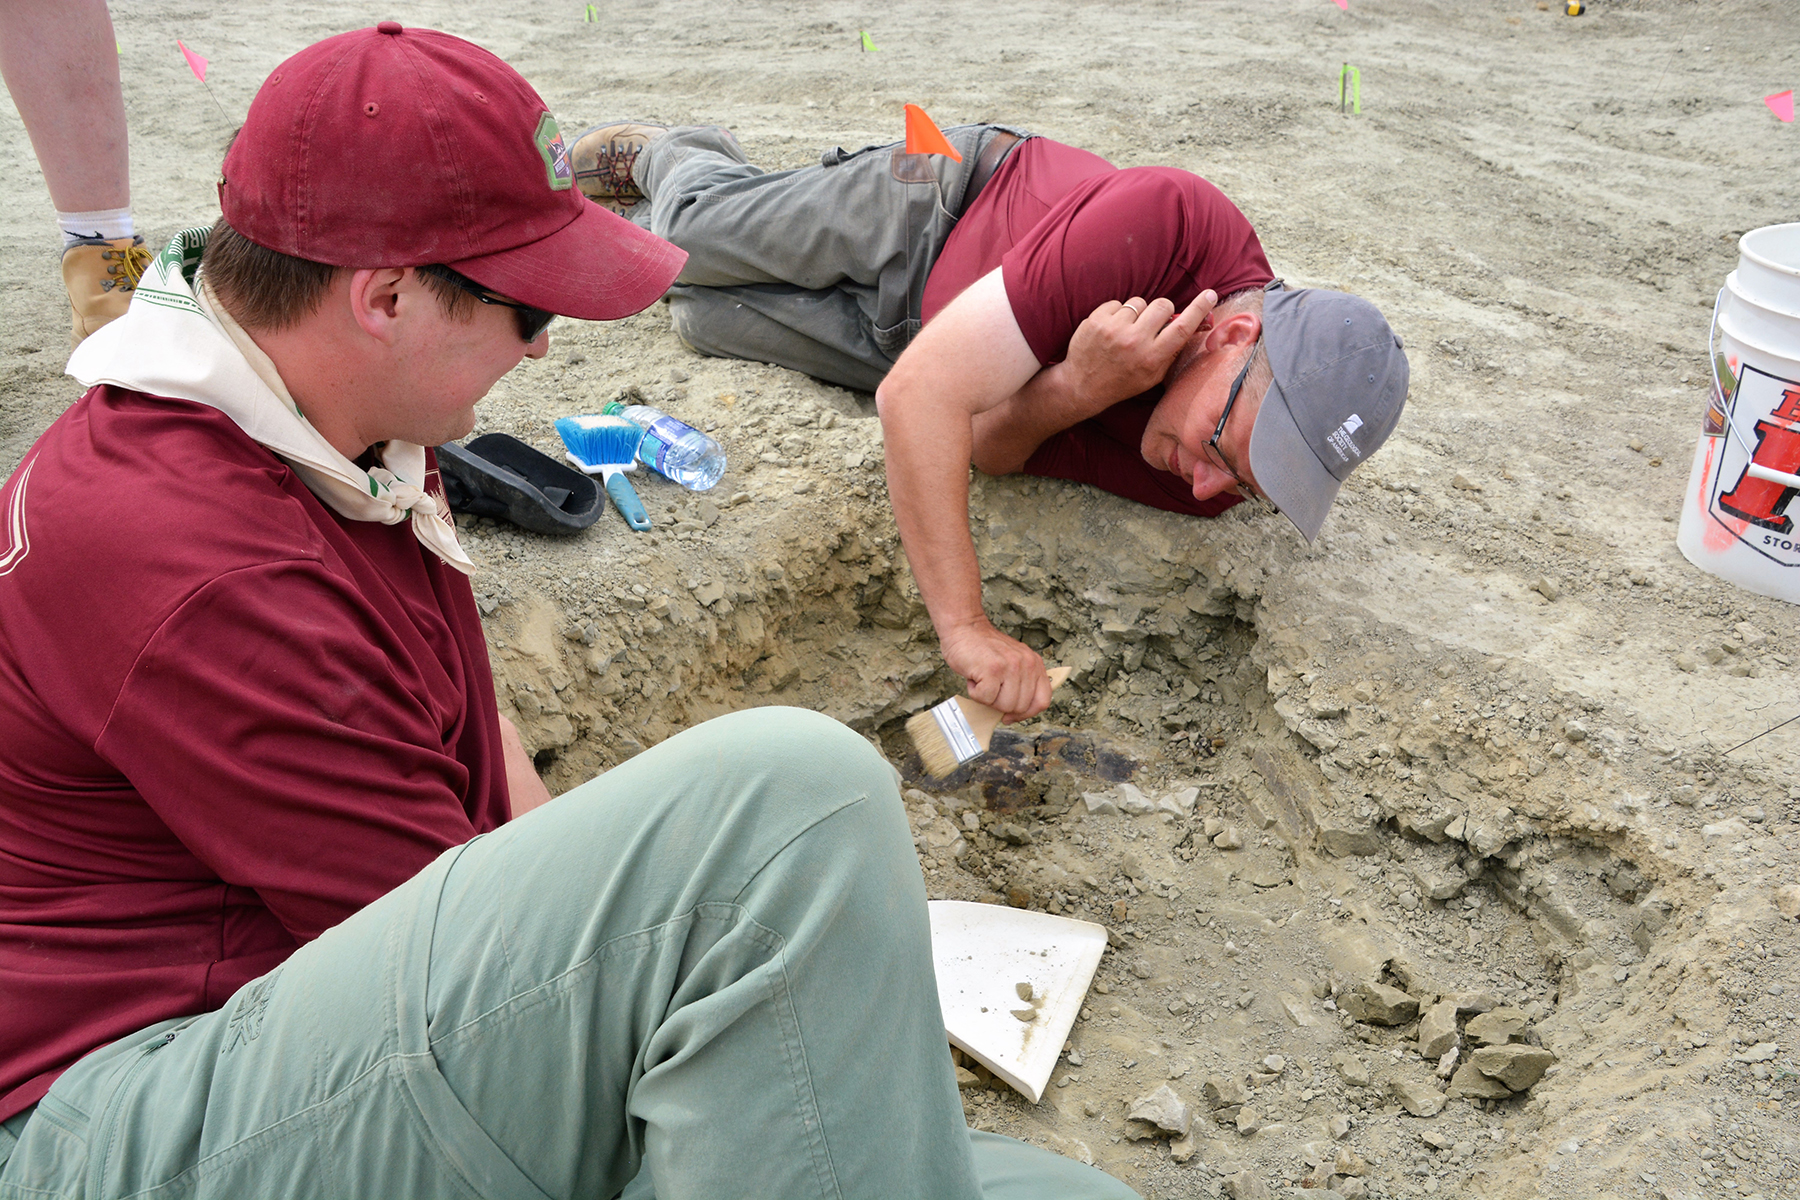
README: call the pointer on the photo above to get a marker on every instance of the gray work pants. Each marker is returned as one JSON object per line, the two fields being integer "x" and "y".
{"x": 820, "y": 269}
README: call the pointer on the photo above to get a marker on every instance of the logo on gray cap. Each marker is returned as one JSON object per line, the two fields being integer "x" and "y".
{"x": 1341, "y": 441}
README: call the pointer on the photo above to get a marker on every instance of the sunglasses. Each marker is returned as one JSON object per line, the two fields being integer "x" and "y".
{"x": 532, "y": 321}
{"x": 1244, "y": 488}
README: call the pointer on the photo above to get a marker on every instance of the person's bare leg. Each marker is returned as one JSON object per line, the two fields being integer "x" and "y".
{"x": 61, "y": 64}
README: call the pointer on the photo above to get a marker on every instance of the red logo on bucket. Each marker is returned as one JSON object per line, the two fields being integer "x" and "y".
{"x": 1764, "y": 501}
{"x": 1757, "y": 471}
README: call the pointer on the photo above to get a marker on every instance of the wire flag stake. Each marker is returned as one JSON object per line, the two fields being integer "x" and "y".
{"x": 197, "y": 65}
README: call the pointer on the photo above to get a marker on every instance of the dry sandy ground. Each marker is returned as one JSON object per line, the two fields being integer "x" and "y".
{"x": 1471, "y": 746}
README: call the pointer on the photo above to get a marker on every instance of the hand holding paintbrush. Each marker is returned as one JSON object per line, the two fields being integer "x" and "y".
{"x": 958, "y": 730}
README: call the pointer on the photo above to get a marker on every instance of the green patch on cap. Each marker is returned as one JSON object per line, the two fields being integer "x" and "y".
{"x": 555, "y": 155}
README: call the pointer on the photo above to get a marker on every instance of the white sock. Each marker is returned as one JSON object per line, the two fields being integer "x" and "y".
{"x": 106, "y": 223}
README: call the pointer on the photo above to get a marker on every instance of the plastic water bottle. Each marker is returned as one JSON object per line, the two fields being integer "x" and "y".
{"x": 674, "y": 448}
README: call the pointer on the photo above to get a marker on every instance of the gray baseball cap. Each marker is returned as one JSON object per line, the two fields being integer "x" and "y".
{"x": 1340, "y": 379}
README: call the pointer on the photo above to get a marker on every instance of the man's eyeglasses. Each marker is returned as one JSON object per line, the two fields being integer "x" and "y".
{"x": 1244, "y": 488}
{"x": 532, "y": 321}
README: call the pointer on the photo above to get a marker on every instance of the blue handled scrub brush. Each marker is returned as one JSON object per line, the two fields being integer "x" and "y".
{"x": 607, "y": 446}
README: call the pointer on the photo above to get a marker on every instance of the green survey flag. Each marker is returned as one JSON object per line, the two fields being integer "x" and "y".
{"x": 1349, "y": 89}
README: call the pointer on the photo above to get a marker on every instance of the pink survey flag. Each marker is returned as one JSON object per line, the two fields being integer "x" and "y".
{"x": 1343, "y": 4}
{"x": 196, "y": 64}
{"x": 1782, "y": 105}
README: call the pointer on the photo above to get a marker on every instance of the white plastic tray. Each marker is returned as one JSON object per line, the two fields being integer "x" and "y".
{"x": 982, "y": 952}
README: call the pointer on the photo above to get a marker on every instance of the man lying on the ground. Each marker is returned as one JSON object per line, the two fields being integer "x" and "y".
{"x": 1114, "y": 327}
{"x": 275, "y": 919}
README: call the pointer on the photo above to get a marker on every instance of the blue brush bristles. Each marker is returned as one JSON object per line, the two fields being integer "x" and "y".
{"x": 595, "y": 441}
{"x": 607, "y": 445}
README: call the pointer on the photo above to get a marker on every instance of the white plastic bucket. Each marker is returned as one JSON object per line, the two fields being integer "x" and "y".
{"x": 1740, "y": 517}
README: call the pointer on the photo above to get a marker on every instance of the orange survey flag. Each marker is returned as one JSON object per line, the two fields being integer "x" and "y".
{"x": 923, "y": 136}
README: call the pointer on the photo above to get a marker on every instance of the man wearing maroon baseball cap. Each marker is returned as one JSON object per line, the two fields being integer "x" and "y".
{"x": 268, "y": 924}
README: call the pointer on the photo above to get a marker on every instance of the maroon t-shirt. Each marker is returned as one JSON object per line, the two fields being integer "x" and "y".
{"x": 1070, "y": 231}
{"x": 228, "y": 720}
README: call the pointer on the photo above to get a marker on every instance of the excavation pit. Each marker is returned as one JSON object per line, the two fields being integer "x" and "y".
{"x": 1280, "y": 842}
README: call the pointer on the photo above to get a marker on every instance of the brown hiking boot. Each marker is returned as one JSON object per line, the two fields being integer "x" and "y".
{"x": 101, "y": 274}
{"x": 604, "y": 157}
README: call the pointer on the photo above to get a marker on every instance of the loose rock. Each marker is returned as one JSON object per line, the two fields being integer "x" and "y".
{"x": 1133, "y": 800}
{"x": 1229, "y": 839}
{"x": 1417, "y": 1096}
{"x": 1298, "y": 1011}
{"x": 1787, "y": 900}
{"x": 1379, "y": 1004}
{"x": 1732, "y": 827}
{"x": 1163, "y": 1109}
{"x": 1516, "y": 1066}
{"x": 1244, "y": 1186}
{"x": 1447, "y": 1063}
{"x": 1181, "y": 801}
{"x": 1498, "y": 1027}
{"x": 1099, "y": 804}
{"x": 1437, "y": 1030}
{"x": 1354, "y": 1070}
{"x": 1439, "y": 882}
{"x": 1220, "y": 1091}
{"x": 1471, "y": 1084}
{"x": 1343, "y": 838}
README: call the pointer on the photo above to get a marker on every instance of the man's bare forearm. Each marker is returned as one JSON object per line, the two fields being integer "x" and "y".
{"x": 928, "y": 483}
{"x": 926, "y": 440}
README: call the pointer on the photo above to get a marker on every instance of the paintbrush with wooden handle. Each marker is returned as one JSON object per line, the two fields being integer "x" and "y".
{"x": 959, "y": 729}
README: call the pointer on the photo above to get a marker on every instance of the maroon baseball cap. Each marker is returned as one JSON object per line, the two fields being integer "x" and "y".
{"x": 392, "y": 147}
